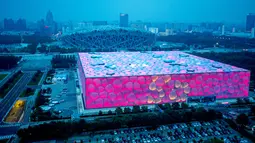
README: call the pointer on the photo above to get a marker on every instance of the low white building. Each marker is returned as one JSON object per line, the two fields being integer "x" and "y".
{"x": 45, "y": 108}
{"x": 59, "y": 77}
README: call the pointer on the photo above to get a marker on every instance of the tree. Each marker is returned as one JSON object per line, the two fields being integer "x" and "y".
{"x": 168, "y": 106}
{"x": 136, "y": 109}
{"x": 8, "y": 62}
{"x": 253, "y": 109}
{"x": 144, "y": 108}
{"x": 48, "y": 90}
{"x": 175, "y": 105}
{"x": 100, "y": 113}
{"x": 247, "y": 100}
{"x": 118, "y": 111}
{"x": 184, "y": 105}
{"x": 29, "y": 90}
{"x": 242, "y": 119}
{"x": 127, "y": 110}
{"x": 239, "y": 101}
{"x": 200, "y": 109}
{"x": 110, "y": 112}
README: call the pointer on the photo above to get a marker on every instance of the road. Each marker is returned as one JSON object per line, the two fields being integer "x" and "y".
{"x": 31, "y": 100}
{"x": 14, "y": 93}
{"x": 34, "y": 86}
{"x": 8, "y": 129}
{"x": 8, "y": 77}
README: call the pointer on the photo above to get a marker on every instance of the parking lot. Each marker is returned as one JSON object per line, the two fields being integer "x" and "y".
{"x": 183, "y": 132}
{"x": 63, "y": 96}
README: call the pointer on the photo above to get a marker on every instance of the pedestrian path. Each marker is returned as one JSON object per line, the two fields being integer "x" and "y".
{"x": 10, "y": 125}
{"x": 6, "y": 137}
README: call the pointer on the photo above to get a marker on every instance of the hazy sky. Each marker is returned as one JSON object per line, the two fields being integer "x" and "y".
{"x": 231, "y": 11}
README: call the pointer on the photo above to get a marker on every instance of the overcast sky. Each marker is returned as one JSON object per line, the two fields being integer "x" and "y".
{"x": 192, "y": 11}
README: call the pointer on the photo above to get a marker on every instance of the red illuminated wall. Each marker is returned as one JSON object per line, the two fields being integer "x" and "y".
{"x": 140, "y": 90}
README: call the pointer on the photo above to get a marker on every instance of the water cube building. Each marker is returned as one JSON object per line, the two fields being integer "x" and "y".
{"x": 141, "y": 78}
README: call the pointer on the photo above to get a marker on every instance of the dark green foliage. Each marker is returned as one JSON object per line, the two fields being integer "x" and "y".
{"x": 136, "y": 109}
{"x": 144, "y": 108}
{"x": 66, "y": 129}
{"x": 12, "y": 39}
{"x": 110, "y": 112}
{"x": 118, "y": 110}
{"x": 100, "y": 113}
{"x": 242, "y": 119}
{"x": 8, "y": 62}
{"x": 127, "y": 110}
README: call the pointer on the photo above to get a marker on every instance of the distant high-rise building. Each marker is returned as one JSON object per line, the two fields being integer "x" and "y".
{"x": 51, "y": 27}
{"x": 21, "y": 25}
{"x": 250, "y": 21}
{"x": 252, "y": 32}
{"x": 63, "y": 30}
{"x": 49, "y": 18}
{"x": 40, "y": 26}
{"x": 190, "y": 27}
{"x": 123, "y": 20}
{"x": 9, "y": 24}
{"x": 223, "y": 30}
{"x": 233, "y": 30}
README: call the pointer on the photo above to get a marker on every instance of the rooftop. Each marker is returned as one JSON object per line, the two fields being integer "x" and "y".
{"x": 114, "y": 64}
{"x": 102, "y": 28}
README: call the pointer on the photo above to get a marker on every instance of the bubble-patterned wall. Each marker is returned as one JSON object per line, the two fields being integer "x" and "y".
{"x": 136, "y": 78}
{"x": 141, "y": 90}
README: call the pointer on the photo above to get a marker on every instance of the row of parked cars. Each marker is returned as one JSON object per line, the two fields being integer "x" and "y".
{"x": 185, "y": 132}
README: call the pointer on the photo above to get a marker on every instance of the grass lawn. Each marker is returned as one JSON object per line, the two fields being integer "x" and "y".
{"x": 2, "y": 76}
{"x": 36, "y": 79}
{"x": 9, "y": 85}
{"x": 26, "y": 94}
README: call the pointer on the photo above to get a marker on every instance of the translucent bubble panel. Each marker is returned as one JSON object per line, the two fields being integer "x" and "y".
{"x": 116, "y": 64}
{"x": 139, "y": 78}
{"x": 144, "y": 90}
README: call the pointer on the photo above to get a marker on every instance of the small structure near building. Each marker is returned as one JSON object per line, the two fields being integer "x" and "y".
{"x": 59, "y": 77}
{"x": 45, "y": 108}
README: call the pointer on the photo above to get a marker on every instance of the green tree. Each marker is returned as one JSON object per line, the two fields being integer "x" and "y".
{"x": 176, "y": 105}
{"x": 200, "y": 109}
{"x": 253, "y": 109}
{"x": 110, "y": 112}
{"x": 118, "y": 111}
{"x": 29, "y": 90}
{"x": 242, "y": 119}
{"x": 239, "y": 101}
{"x": 100, "y": 113}
{"x": 184, "y": 105}
{"x": 144, "y": 108}
{"x": 136, "y": 109}
{"x": 168, "y": 106}
{"x": 127, "y": 110}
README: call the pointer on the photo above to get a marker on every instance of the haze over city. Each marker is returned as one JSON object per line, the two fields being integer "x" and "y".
{"x": 127, "y": 71}
{"x": 188, "y": 11}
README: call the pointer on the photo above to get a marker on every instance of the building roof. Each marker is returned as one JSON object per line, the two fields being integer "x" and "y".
{"x": 114, "y": 64}
{"x": 102, "y": 28}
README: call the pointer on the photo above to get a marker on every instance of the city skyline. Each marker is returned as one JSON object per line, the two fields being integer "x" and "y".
{"x": 151, "y": 10}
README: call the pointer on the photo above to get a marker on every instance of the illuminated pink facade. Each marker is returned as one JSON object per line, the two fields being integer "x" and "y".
{"x": 176, "y": 77}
